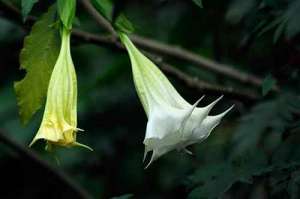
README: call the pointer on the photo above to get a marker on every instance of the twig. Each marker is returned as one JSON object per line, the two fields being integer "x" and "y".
{"x": 203, "y": 86}
{"x": 24, "y": 152}
{"x": 171, "y": 70}
{"x": 200, "y": 61}
{"x": 159, "y": 48}
{"x": 207, "y": 87}
{"x": 102, "y": 22}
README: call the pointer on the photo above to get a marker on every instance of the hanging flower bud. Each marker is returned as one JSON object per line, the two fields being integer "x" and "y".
{"x": 59, "y": 124}
{"x": 173, "y": 123}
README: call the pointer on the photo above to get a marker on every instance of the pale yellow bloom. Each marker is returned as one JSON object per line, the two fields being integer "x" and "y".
{"x": 173, "y": 123}
{"x": 59, "y": 124}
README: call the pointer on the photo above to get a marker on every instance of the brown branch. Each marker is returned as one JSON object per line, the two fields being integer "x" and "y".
{"x": 171, "y": 70}
{"x": 200, "y": 61}
{"x": 159, "y": 48}
{"x": 202, "y": 86}
{"x": 205, "y": 87}
{"x": 111, "y": 42}
{"x": 30, "y": 155}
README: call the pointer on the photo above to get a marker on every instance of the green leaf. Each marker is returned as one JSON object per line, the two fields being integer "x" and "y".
{"x": 123, "y": 24}
{"x": 214, "y": 180}
{"x": 273, "y": 116}
{"x": 27, "y": 7}
{"x": 66, "y": 10}
{"x": 238, "y": 10}
{"x": 105, "y": 8}
{"x": 198, "y": 3}
{"x": 294, "y": 185}
{"x": 279, "y": 30}
{"x": 293, "y": 15}
{"x": 38, "y": 56}
{"x": 268, "y": 84}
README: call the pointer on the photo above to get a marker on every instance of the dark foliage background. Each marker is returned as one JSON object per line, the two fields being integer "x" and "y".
{"x": 254, "y": 153}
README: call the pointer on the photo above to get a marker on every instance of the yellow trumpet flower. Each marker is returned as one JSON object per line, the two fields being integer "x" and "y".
{"x": 59, "y": 124}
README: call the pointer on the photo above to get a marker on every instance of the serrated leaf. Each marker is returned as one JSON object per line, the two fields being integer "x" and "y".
{"x": 38, "y": 56}
{"x": 27, "y": 7}
{"x": 268, "y": 84}
{"x": 66, "y": 10}
{"x": 105, "y": 8}
{"x": 198, "y": 3}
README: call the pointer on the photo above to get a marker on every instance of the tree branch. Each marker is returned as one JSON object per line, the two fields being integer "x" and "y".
{"x": 111, "y": 42}
{"x": 191, "y": 82}
{"x": 200, "y": 61}
{"x": 202, "y": 86}
{"x": 159, "y": 48}
{"x": 206, "y": 87}
{"x": 102, "y": 22}
{"x": 24, "y": 152}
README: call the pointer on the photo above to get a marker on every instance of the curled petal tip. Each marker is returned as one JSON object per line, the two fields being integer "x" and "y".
{"x": 79, "y": 130}
{"x": 84, "y": 146}
{"x": 188, "y": 151}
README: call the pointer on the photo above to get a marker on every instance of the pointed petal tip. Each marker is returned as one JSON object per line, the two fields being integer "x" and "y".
{"x": 221, "y": 115}
{"x": 229, "y": 109}
{"x": 196, "y": 103}
{"x": 201, "y": 98}
{"x": 145, "y": 155}
{"x": 211, "y": 105}
{"x": 153, "y": 158}
{"x": 218, "y": 99}
{"x": 33, "y": 141}
{"x": 84, "y": 146}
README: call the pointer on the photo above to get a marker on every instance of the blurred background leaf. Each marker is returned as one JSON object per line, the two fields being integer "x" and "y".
{"x": 253, "y": 153}
{"x": 27, "y": 6}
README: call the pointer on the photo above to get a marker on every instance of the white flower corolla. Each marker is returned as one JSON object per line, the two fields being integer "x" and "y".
{"x": 59, "y": 124}
{"x": 173, "y": 123}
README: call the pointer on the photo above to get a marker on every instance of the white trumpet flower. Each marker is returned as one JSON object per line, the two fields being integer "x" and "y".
{"x": 173, "y": 123}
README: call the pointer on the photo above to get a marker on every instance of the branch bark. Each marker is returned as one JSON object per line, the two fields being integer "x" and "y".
{"x": 200, "y": 61}
{"x": 159, "y": 48}
{"x": 110, "y": 41}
